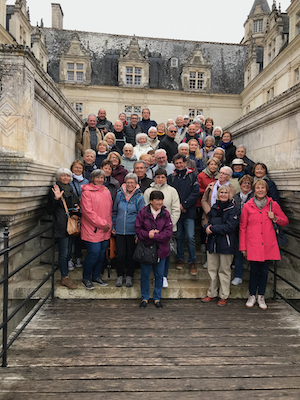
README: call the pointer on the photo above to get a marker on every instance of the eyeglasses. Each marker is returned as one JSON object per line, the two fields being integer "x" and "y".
{"x": 173, "y": 131}
{"x": 161, "y": 158}
{"x": 222, "y": 173}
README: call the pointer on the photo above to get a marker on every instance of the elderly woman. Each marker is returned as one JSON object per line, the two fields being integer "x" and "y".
{"x": 241, "y": 153}
{"x": 258, "y": 241}
{"x": 77, "y": 169}
{"x": 172, "y": 204}
{"x": 142, "y": 145}
{"x": 221, "y": 231}
{"x": 147, "y": 159}
{"x": 228, "y": 146}
{"x": 208, "y": 149}
{"x": 122, "y": 118}
{"x": 217, "y": 134}
{"x": 210, "y": 195}
{"x": 101, "y": 153}
{"x": 219, "y": 153}
{"x": 110, "y": 139}
{"x": 209, "y": 126}
{"x": 207, "y": 176}
{"x": 184, "y": 149}
{"x": 260, "y": 171}
{"x": 153, "y": 225}
{"x": 240, "y": 199}
{"x": 238, "y": 169}
{"x": 195, "y": 154}
{"x": 153, "y": 141}
{"x": 161, "y": 131}
{"x": 129, "y": 202}
{"x": 62, "y": 192}
{"x": 128, "y": 158}
{"x": 111, "y": 183}
{"x": 96, "y": 225}
{"x": 118, "y": 172}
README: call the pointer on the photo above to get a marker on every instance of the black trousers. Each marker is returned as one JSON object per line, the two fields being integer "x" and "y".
{"x": 125, "y": 248}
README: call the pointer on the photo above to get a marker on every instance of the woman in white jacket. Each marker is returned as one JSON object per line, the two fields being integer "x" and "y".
{"x": 142, "y": 145}
{"x": 171, "y": 202}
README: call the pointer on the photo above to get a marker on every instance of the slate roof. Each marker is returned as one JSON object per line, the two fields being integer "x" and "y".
{"x": 264, "y": 6}
{"x": 227, "y": 60}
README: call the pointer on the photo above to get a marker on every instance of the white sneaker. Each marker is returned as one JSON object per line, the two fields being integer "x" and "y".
{"x": 251, "y": 301}
{"x": 70, "y": 265}
{"x": 236, "y": 281}
{"x": 205, "y": 265}
{"x": 203, "y": 248}
{"x": 165, "y": 282}
{"x": 78, "y": 263}
{"x": 261, "y": 302}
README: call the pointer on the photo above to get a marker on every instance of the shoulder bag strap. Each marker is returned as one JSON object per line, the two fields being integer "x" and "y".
{"x": 65, "y": 205}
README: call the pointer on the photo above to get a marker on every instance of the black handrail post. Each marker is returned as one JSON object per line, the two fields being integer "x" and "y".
{"x": 5, "y": 298}
{"x": 53, "y": 264}
{"x": 275, "y": 281}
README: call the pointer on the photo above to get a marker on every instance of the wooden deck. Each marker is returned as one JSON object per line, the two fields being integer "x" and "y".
{"x": 111, "y": 349}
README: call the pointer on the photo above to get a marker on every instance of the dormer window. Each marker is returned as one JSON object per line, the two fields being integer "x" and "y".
{"x": 75, "y": 72}
{"x": 257, "y": 26}
{"x": 134, "y": 76}
{"x": 174, "y": 62}
{"x": 196, "y": 80}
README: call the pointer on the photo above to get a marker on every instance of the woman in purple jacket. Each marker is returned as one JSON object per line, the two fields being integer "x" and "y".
{"x": 153, "y": 224}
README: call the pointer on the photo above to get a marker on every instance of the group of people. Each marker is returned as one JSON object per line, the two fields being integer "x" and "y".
{"x": 149, "y": 182}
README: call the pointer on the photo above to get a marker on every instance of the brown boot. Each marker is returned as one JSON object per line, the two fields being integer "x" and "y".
{"x": 67, "y": 281}
{"x": 193, "y": 268}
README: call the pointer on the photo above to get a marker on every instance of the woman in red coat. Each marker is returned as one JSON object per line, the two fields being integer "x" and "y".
{"x": 258, "y": 241}
{"x": 205, "y": 177}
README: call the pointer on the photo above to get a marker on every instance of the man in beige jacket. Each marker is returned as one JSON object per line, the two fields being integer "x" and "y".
{"x": 89, "y": 136}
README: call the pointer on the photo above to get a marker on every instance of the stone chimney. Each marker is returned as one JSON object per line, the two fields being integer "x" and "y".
{"x": 57, "y": 16}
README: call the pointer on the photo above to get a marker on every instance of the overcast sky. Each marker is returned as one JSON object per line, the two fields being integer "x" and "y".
{"x": 200, "y": 20}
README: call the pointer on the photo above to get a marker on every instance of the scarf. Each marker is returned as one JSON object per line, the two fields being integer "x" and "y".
{"x": 154, "y": 213}
{"x": 102, "y": 154}
{"x": 161, "y": 134}
{"x": 260, "y": 203}
{"x": 215, "y": 191}
{"x": 68, "y": 192}
{"x": 209, "y": 174}
{"x": 263, "y": 177}
{"x": 238, "y": 174}
{"x": 78, "y": 178}
{"x": 126, "y": 193}
{"x": 224, "y": 145}
{"x": 244, "y": 198}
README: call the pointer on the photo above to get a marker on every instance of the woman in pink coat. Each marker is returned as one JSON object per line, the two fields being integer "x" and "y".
{"x": 96, "y": 224}
{"x": 258, "y": 241}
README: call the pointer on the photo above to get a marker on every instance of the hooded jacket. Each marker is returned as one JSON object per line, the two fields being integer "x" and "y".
{"x": 83, "y": 139}
{"x": 96, "y": 207}
{"x": 162, "y": 223}
{"x": 125, "y": 211}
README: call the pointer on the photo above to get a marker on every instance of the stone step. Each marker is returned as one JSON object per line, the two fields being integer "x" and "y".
{"x": 178, "y": 289}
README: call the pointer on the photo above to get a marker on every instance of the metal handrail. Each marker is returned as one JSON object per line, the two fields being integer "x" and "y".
{"x": 276, "y": 276}
{"x": 6, "y": 276}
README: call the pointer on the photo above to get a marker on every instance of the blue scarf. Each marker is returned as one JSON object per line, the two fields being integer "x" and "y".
{"x": 224, "y": 145}
{"x": 238, "y": 174}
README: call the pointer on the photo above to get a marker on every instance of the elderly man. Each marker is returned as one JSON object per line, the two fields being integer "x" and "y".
{"x": 140, "y": 169}
{"x": 186, "y": 121}
{"x": 119, "y": 134}
{"x": 132, "y": 129}
{"x": 186, "y": 183}
{"x": 181, "y": 130}
{"x": 103, "y": 123}
{"x": 191, "y": 134}
{"x": 168, "y": 143}
{"x": 146, "y": 123}
{"x": 88, "y": 136}
{"x": 162, "y": 162}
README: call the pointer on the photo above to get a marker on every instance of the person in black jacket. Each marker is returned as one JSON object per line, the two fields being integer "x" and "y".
{"x": 140, "y": 168}
{"x": 229, "y": 147}
{"x": 132, "y": 129}
{"x": 221, "y": 232}
{"x": 260, "y": 171}
{"x": 241, "y": 153}
{"x": 186, "y": 183}
{"x": 146, "y": 122}
{"x": 62, "y": 190}
{"x": 111, "y": 183}
{"x": 102, "y": 122}
{"x": 168, "y": 143}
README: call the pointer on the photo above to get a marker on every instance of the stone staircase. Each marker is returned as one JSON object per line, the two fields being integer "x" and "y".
{"x": 182, "y": 284}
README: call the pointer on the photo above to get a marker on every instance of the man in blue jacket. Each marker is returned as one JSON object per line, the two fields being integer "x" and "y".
{"x": 185, "y": 181}
{"x": 146, "y": 122}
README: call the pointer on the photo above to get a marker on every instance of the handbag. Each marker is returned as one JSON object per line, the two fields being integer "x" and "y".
{"x": 146, "y": 254}
{"x": 73, "y": 223}
{"x": 280, "y": 235}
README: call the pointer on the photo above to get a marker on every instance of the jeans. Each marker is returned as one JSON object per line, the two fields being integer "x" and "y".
{"x": 186, "y": 227}
{"x": 94, "y": 259}
{"x": 167, "y": 264}
{"x": 64, "y": 254}
{"x": 258, "y": 277}
{"x": 158, "y": 270}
